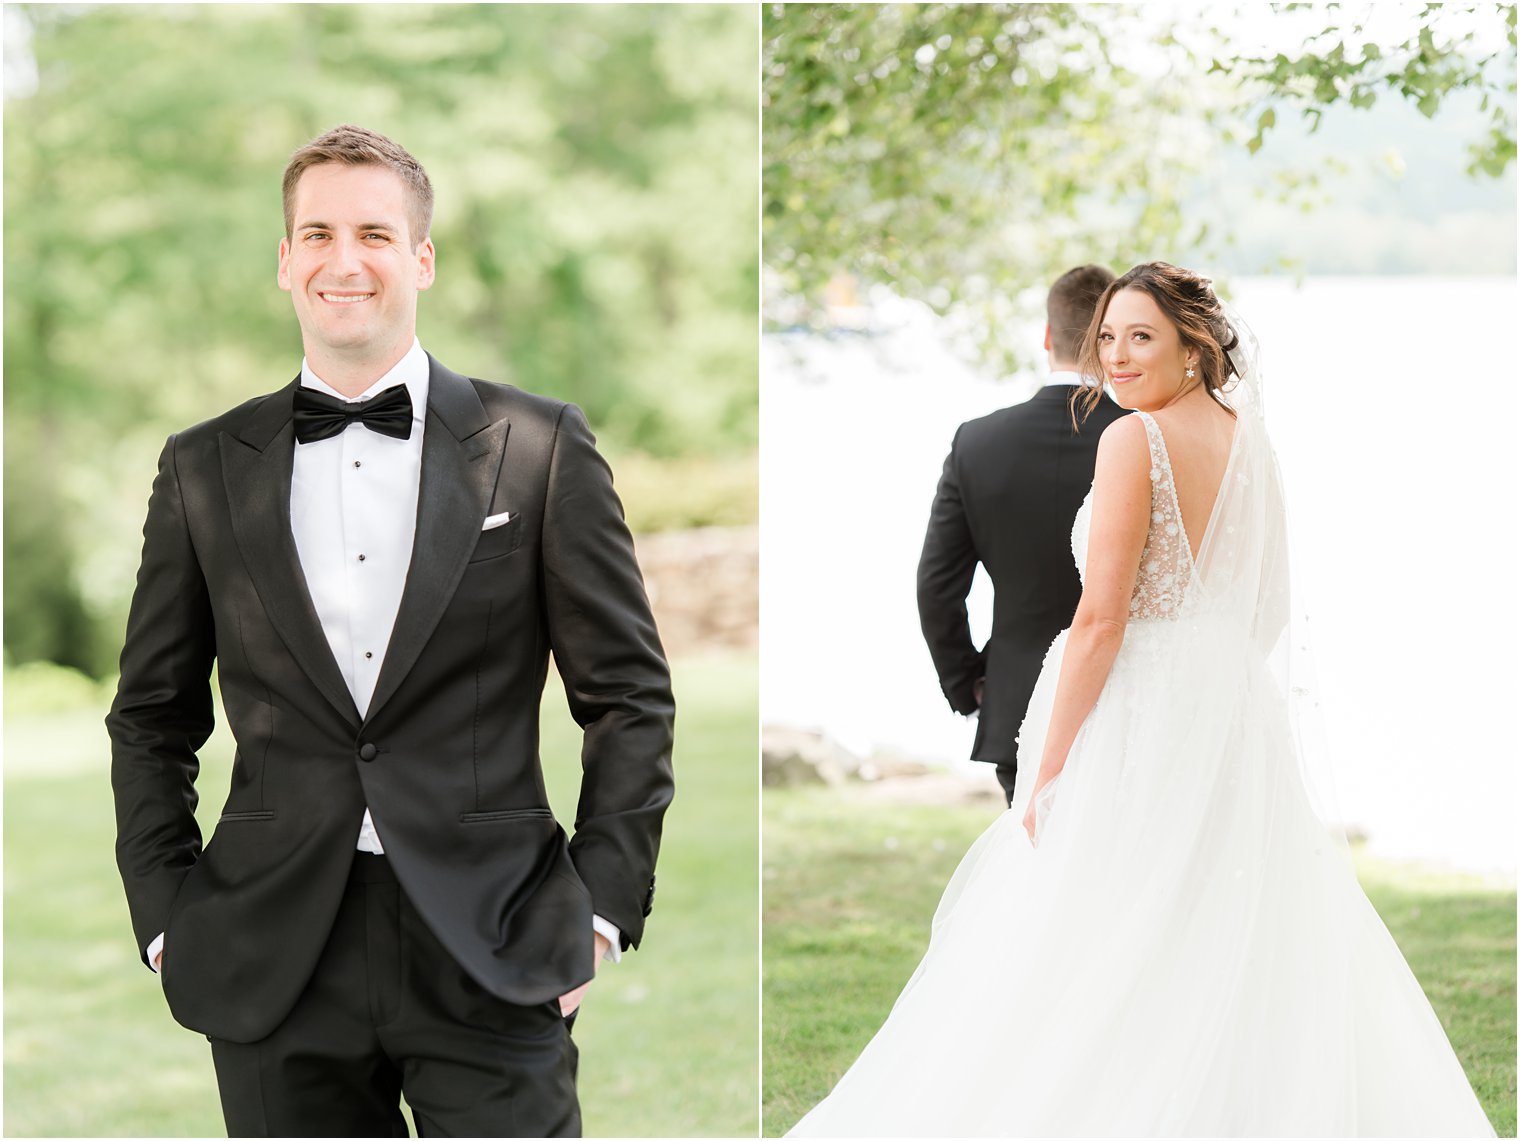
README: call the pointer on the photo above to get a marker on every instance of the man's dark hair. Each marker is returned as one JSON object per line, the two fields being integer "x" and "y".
{"x": 356, "y": 146}
{"x": 1069, "y": 308}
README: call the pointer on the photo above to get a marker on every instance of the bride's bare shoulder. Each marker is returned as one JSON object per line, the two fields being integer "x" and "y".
{"x": 1123, "y": 451}
{"x": 1123, "y": 436}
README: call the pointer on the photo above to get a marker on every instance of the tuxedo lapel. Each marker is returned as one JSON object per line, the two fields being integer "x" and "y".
{"x": 256, "y": 466}
{"x": 461, "y": 458}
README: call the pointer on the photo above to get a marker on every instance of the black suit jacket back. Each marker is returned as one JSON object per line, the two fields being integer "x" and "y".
{"x": 447, "y": 757}
{"x": 1010, "y": 489}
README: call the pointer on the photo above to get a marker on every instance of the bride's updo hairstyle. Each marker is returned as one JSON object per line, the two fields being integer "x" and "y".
{"x": 1189, "y": 303}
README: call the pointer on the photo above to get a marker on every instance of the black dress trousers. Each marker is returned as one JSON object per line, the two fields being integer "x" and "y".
{"x": 388, "y": 1013}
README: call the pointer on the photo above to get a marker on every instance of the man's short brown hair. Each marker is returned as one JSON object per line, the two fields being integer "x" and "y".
{"x": 356, "y": 146}
{"x": 1069, "y": 308}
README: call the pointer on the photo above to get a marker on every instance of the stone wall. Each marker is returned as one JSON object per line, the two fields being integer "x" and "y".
{"x": 704, "y": 585}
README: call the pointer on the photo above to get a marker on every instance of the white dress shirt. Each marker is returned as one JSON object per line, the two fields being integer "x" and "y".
{"x": 1063, "y": 376}
{"x": 353, "y": 514}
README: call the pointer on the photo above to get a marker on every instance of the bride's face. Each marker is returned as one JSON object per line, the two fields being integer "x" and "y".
{"x": 1142, "y": 352}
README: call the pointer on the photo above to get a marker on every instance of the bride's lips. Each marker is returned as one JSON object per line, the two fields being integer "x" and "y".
{"x": 1122, "y": 377}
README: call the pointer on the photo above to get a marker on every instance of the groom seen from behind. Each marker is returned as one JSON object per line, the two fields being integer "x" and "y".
{"x": 379, "y": 558}
{"x": 1009, "y": 491}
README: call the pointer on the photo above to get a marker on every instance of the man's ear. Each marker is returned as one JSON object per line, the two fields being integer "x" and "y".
{"x": 426, "y": 264}
{"x": 1047, "y": 337}
{"x": 282, "y": 274}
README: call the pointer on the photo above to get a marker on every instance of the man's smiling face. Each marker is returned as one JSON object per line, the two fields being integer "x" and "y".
{"x": 352, "y": 267}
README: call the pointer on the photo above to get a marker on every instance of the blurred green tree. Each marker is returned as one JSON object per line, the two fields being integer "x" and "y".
{"x": 957, "y": 152}
{"x": 962, "y": 153}
{"x": 596, "y": 175}
{"x": 1442, "y": 54}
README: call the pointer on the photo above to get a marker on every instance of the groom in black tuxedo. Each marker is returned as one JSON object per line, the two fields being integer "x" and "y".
{"x": 1010, "y": 489}
{"x": 379, "y": 558}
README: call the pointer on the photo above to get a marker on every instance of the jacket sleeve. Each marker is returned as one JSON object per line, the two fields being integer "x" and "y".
{"x": 945, "y": 570}
{"x": 608, "y": 653}
{"x": 162, "y": 713}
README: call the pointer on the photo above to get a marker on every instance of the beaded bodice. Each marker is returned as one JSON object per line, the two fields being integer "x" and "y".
{"x": 1166, "y": 563}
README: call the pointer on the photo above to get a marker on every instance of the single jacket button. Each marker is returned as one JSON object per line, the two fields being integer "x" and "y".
{"x": 368, "y": 752}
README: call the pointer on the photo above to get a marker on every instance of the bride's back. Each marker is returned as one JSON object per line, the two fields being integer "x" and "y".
{"x": 1198, "y": 435}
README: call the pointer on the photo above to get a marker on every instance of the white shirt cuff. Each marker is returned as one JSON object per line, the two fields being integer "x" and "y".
{"x": 614, "y": 952}
{"x": 155, "y": 949}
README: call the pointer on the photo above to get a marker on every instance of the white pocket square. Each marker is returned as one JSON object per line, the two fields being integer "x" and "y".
{"x": 495, "y": 520}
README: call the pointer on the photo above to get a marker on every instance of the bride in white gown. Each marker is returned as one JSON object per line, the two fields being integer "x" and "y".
{"x": 1165, "y": 939}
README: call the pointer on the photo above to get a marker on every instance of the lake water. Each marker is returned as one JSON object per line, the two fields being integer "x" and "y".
{"x": 1387, "y": 399}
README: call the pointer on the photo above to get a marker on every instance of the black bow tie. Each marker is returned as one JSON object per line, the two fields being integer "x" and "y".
{"x": 320, "y": 417}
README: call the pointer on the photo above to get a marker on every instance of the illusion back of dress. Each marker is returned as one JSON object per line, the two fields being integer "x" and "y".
{"x": 1166, "y": 564}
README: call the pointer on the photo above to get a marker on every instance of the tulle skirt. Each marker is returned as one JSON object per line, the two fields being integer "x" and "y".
{"x": 1186, "y": 953}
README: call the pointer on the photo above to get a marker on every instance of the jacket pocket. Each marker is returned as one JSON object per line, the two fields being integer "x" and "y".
{"x": 499, "y": 541}
{"x": 506, "y": 814}
{"x": 234, "y": 817}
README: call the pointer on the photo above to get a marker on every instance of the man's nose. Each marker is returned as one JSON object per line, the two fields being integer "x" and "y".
{"x": 346, "y": 256}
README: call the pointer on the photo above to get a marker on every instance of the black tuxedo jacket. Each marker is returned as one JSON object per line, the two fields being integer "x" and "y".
{"x": 447, "y": 757}
{"x": 1010, "y": 489}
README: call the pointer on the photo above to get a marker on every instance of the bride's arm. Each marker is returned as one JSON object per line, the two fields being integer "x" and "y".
{"x": 1120, "y": 518}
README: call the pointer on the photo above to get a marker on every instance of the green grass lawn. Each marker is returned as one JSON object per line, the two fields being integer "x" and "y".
{"x": 669, "y": 1038}
{"x": 850, "y": 888}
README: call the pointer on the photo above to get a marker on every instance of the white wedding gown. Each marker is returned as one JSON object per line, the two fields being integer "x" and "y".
{"x": 1187, "y": 951}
